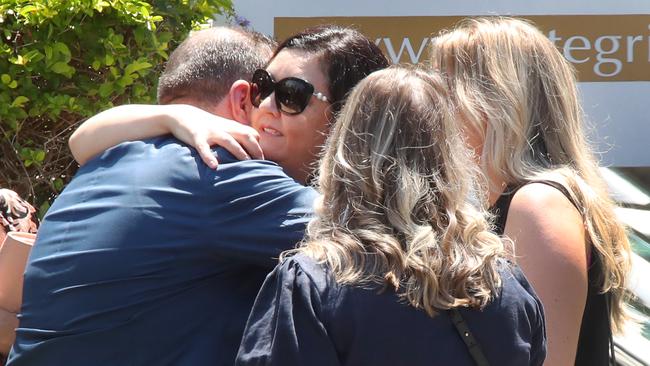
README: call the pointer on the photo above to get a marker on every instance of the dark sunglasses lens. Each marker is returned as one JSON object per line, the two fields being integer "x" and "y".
{"x": 261, "y": 87}
{"x": 292, "y": 95}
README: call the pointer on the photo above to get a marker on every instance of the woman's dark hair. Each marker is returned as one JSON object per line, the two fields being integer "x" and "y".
{"x": 347, "y": 57}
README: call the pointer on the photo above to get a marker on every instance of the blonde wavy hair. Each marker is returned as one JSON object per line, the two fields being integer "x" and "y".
{"x": 516, "y": 91}
{"x": 399, "y": 207}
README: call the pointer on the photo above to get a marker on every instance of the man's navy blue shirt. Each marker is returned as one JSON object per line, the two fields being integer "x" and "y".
{"x": 148, "y": 257}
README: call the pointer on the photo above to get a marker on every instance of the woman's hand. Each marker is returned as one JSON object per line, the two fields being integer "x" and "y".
{"x": 201, "y": 130}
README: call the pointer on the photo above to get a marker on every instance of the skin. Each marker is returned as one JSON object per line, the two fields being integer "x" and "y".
{"x": 551, "y": 249}
{"x": 294, "y": 141}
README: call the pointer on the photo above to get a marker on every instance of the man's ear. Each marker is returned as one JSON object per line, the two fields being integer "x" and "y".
{"x": 239, "y": 101}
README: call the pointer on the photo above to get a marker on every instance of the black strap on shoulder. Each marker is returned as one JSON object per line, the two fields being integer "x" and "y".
{"x": 562, "y": 189}
{"x": 466, "y": 335}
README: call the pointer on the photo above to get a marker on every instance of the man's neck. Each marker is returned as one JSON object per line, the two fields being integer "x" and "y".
{"x": 220, "y": 109}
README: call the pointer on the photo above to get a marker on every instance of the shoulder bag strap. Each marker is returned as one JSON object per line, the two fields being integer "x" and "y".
{"x": 466, "y": 335}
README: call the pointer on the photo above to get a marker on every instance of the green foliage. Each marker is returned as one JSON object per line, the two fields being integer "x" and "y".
{"x": 61, "y": 61}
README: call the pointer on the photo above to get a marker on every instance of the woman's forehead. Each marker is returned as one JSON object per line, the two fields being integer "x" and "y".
{"x": 296, "y": 63}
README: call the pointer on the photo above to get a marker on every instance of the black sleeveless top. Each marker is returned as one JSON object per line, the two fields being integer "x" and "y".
{"x": 595, "y": 331}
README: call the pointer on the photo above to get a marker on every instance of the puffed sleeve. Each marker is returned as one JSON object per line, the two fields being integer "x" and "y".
{"x": 286, "y": 326}
{"x": 538, "y": 343}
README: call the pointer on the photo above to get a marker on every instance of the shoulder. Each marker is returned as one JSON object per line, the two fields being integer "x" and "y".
{"x": 548, "y": 231}
{"x": 306, "y": 271}
{"x": 537, "y": 199}
{"x": 541, "y": 211}
{"x": 148, "y": 154}
{"x": 258, "y": 179}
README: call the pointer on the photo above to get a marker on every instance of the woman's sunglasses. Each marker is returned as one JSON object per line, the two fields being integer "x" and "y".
{"x": 291, "y": 94}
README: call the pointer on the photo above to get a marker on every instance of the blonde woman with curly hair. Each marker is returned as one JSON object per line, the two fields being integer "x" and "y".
{"x": 517, "y": 99}
{"x": 399, "y": 266}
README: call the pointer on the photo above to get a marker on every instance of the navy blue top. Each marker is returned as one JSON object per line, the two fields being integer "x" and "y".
{"x": 303, "y": 317}
{"x": 148, "y": 257}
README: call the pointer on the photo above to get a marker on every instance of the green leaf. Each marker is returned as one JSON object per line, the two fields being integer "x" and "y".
{"x": 106, "y": 89}
{"x": 20, "y": 101}
{"x": 48, "y": 53}
{"x": 63, "y": 69}
{"x": 34, "y": 112}
{"x": 144, "y": 11}
{"x": 96, "y": 65}
{"x": 33, "y": 56}
{"x": 6, "y": 78}
{"x": 125, "y": 80}
{"x": 13, "y": 84}
{"x": 136, "y": 66}
{"x": 63, "y": 49}
{"x": 27, "y": 9}
{"x": 109, "y": 60}
{"x": 18, "y": 60}
{"x": 42, "y": 210}
{"x": 139, "y": 35}
{"x": 39, "y": 156}
{"x": 58, "y": 184}
{"x": 100, "y": 5}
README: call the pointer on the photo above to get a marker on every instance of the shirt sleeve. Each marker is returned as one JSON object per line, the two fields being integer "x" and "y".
{"x": 538, "y": 347}
{"x": 535, "y": 318}
{"x": 285, "y": 326}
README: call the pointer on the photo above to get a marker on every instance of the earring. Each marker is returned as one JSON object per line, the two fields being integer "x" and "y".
{"x": 320, "y": 97}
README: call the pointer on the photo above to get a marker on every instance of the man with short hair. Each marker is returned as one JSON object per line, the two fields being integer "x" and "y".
{"x": 149, "y": 257}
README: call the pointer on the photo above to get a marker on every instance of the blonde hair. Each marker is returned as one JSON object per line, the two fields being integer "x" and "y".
{"x": 398, "y": 205}
{"x": 505, "y": 73}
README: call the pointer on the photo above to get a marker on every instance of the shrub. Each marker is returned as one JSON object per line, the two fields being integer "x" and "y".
{"x": 61, "y": 61}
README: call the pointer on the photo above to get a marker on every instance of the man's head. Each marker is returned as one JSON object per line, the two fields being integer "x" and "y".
{"x": 211, "y": 65}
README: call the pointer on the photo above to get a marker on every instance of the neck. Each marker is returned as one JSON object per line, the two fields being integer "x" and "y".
{"x": 300, "y": 176}
{"x": 496, "y": 187}
{"x": 220, "y": 109}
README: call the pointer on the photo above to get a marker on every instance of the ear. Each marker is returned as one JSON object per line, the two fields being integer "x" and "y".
{"x": 239, "y": 100}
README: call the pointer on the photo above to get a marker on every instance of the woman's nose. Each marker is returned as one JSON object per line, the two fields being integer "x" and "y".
{"x": 269, "y": 105}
